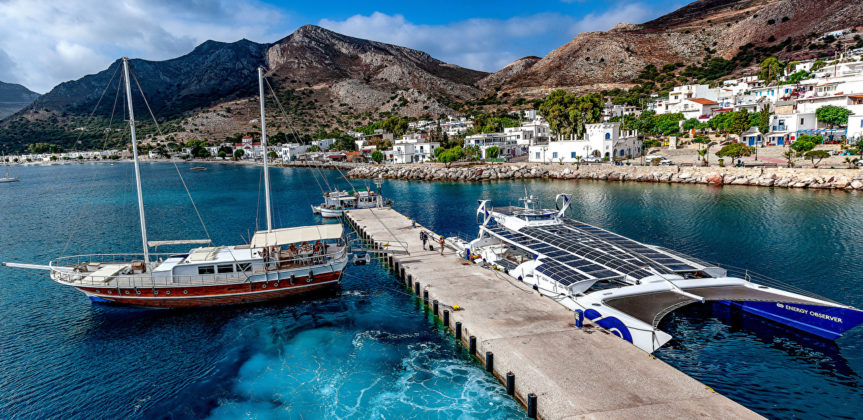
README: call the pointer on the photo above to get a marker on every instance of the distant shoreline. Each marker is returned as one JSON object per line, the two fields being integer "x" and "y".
{"x": 778, "y": 177}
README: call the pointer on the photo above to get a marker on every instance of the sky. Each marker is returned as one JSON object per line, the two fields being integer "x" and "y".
{"x": 46, "y": 42}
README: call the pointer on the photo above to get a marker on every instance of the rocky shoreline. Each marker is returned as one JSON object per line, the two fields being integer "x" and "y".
{"x": 839, "y": 179}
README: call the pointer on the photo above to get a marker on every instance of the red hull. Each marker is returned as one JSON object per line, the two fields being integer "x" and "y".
{"x": 180, "y": 296}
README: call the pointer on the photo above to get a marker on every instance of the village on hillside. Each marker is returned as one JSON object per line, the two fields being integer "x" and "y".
{"x": 790, "y": 114}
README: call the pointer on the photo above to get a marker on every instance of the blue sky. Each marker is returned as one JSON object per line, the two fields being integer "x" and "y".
{"x": 45, "y": 42}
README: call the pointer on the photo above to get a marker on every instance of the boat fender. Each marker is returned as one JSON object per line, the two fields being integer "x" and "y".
{"x": 293, "y": 279}
{"x": 311, "y": 277}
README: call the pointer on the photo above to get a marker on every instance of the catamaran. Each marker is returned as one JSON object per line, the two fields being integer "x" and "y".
{"x": 625, "y": 286}
{"x": 276, "y": 262}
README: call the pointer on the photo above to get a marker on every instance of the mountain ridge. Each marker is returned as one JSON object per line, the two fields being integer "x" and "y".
{"x": 14, "y": 97}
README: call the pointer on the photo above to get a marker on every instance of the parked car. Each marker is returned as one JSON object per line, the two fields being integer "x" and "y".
{"x": 591, "y": 159}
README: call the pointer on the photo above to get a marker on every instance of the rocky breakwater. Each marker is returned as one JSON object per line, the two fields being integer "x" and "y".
{"x": 844, "y": 179}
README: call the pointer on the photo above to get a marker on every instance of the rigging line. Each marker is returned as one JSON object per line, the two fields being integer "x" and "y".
{"x": 183, "y": 181}
{"x": 177, "y": 168}
{"x": 297, "y": 136}
{"x": 90, "y": 117}
{"x": 93, "y": 178}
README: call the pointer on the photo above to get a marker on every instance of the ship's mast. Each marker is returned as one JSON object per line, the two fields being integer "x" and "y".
{"x": 137, "y": 169}
{"x": 264, "y": 145}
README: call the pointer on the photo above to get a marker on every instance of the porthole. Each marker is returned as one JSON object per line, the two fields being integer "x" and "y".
{"x": 168, "y": 292}
{"x": 127, "y": 292}
{"x": 156, "y": 293}
{"x": 185, "y": 292}
{"x": 137, "y": 292}
{"x": 264, "y": 286}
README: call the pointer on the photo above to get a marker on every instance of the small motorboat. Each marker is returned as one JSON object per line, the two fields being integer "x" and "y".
{"x": 198, "y": 168}
{"x": 361, "y": 259}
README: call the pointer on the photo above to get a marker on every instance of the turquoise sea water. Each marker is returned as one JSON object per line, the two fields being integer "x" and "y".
{"x": 368, "y": 350}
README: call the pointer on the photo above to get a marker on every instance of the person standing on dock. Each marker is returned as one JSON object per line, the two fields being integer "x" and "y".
{"x": 441, "y": 244}
{"x": 423, "y": 238}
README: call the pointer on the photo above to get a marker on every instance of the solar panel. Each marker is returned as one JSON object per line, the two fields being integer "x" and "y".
{"x": 560, "y": 273}
{"x": 576, "y": 251}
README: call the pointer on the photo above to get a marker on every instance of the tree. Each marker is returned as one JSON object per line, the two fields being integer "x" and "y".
{"x": 222, "y": 154}
{"x": 238, "y": 154}
{"x": 201, "y": 152}
{"x": 818, "y": 65}
{"x": 805, "y": 143}
{"x": 395, "y": 125}
{"x": 313, "y": 148}
{"x": 492, "y": 152}
{"x": 451, "y": 155}
{"x": 833, "y": 115}
{"x": 272, "y": 155}
{"x": 797, "y": 77}
{"x": 789, "y": 157}
{"x": 378, "y": 157}
{"x": 567, "y": 114}
{"x": 739, "y": 122}
{"x": 771, "y": 69}
{"x": 816, "y": 154}
{"x": 693, "y": 124}
{"x": 764, "y": 120}
{"x": 734, "y": 150}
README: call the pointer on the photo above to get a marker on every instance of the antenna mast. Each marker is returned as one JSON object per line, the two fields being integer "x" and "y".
{"x": 137, "y": 168}
{"x": 264, "y": 145}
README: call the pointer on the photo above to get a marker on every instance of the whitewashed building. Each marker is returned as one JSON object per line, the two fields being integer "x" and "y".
{"x": 601, "y": 140}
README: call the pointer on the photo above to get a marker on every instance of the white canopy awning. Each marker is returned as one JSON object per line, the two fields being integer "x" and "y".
{"x": 294, "y": 235}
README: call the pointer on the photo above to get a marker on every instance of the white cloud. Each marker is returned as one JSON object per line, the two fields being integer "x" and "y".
{"x": 486, "y": 44}
{"x": 45, "y": 42}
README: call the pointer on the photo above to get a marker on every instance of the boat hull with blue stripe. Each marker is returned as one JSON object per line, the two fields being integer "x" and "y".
{"x": 627, "y": 287}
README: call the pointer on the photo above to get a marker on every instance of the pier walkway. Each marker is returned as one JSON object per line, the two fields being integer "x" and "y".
{"x": 573, "y": 373}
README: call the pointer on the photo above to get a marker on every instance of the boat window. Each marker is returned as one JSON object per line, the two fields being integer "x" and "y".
{"x": 225, "y": 268}
{"x": 206, "y": 269}
{"x": 244, "y": 267}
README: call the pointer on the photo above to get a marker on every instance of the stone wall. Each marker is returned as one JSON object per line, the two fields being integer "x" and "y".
{"x": 848, "y": 179}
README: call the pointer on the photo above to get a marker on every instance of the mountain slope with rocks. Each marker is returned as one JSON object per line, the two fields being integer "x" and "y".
{"x": 13, "y": 98}
{"x": 705, "y": 28}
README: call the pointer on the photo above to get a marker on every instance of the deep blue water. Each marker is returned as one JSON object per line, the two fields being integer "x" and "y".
{"x": 368, "y": 351}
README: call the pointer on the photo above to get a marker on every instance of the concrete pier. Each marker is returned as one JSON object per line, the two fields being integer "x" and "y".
{"x": 574, "y": 373}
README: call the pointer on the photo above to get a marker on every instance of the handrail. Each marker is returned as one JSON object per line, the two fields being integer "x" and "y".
{"x": 147, "y": 280}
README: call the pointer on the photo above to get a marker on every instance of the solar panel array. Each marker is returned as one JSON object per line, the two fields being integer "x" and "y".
{"x": 662, "y": 256}
{"x": 576, "y": 251}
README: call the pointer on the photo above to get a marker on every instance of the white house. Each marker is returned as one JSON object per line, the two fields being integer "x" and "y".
{"x": 508, "y": 145}
{"x": 324, "y": 144}
{"x": 411, "y": 149}
{"x": 291, "y": 151}
{"x": 855, "y": 128}
{"x": 785, "y": 128}
{"x": 697, "y": 108}
{"x": 601, "y": 140}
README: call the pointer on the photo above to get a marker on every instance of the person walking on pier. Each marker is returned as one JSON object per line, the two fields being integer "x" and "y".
{"x": 423, "y": 238}
{"x": 441, "y": 244}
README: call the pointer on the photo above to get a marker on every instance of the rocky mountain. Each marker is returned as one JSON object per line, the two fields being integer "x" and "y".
{"x": 322, "y": 78}
{"x": 511, "y": 70}
{"x": 211, "y": 73}
{"x": 720, "y": 28}
{"x": 13, "y": 98}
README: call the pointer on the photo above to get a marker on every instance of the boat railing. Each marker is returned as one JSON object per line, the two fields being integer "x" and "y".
{"x": 758, "y": 278}
{"x": 76, "y": 260}
{"x": 72, "y": 270}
